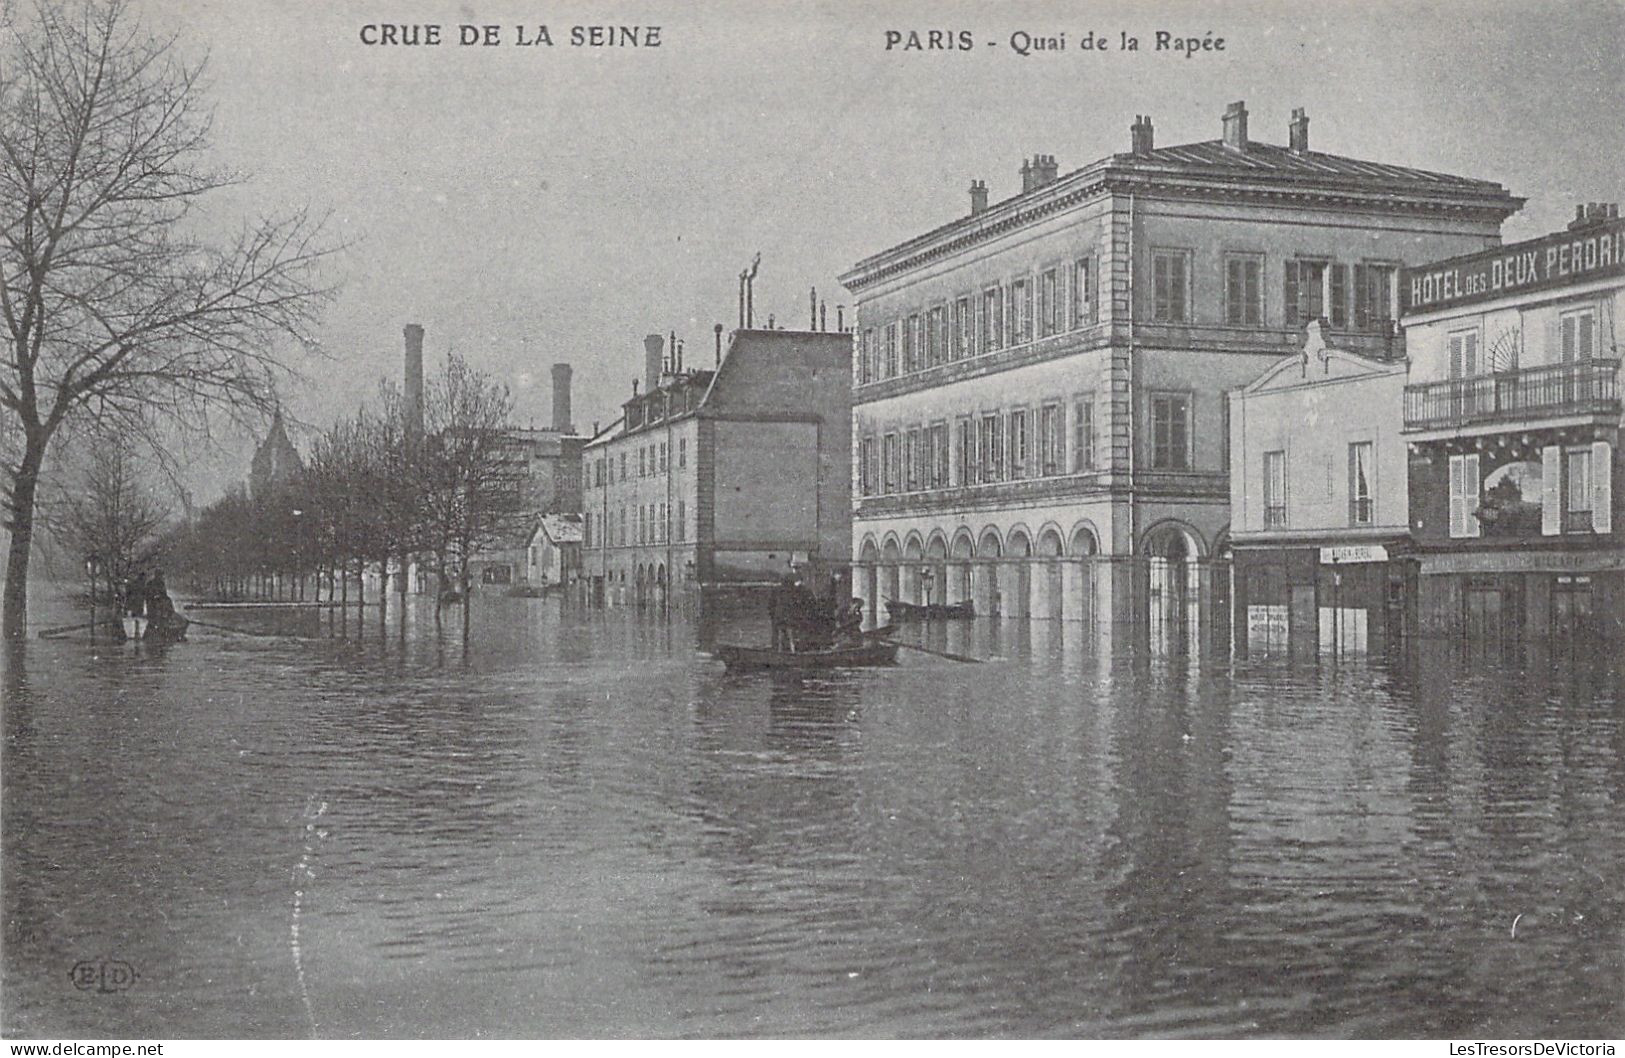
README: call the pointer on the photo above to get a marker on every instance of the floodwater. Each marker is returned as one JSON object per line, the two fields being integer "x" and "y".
{"x": 586, "y": 828}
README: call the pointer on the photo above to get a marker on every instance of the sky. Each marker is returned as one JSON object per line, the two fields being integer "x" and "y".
{"x": 529, "y": 205}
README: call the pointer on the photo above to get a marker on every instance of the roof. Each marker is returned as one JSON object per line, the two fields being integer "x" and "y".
{"x": 1203, "y": 168}
{"x": 1259, "y": 159}
{"x": 561, "y": 528}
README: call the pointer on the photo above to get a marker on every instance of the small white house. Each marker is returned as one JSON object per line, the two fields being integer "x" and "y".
{"x": 553, "y": 552}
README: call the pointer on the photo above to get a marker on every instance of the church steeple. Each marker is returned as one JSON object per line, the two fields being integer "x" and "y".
{"x": 276, "y": 459}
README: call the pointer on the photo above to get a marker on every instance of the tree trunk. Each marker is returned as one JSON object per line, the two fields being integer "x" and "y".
{"x": 14, "y": 619}
{"x": 467, "y": 597}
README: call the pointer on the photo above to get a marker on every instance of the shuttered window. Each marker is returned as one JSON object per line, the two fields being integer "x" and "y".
{"x": 1464, "y": 496}
{"x": 1242, "y": 292}
{"x": 1171, "y": 286}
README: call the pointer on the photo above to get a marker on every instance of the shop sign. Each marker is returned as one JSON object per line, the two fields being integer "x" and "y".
{"x": 1526, "y": 562}
{"x": 1591, "y": 252}
{"x": 1344, "y": 554}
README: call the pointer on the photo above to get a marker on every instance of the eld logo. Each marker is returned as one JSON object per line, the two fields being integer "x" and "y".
{"x": 103, "y": 975}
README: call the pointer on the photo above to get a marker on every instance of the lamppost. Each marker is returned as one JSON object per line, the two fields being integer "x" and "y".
{"x": 93, "y": 565}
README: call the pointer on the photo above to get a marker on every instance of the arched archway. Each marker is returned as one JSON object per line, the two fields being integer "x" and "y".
{"x": 1017, "y": 588}
{"x": 913, "y": 563}
{"x": 985, "y": 586}
{"x": 867, "y": 576}
{"x": 891, "y": 559}
{"x": 1087, "y": 576}
{"x": 1173, "y": 551}
{"x": 961, "y": 552}
{"x": 936, "y": 563}
{"x": 1049, "y": 577}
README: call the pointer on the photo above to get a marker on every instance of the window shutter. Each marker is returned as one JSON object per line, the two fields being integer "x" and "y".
{"x": 1553, "y": 352}
{"x": 1602, "y": 487}
{"x": 1362, "y": 297}
{"x": 1470, "y": 494}
{"x": 1551, "y": 490}
{"x": 1290, "y": 296}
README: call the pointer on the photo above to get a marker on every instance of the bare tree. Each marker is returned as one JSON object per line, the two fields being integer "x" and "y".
{"x": 112, "y": 306}
{"x": 108, "y": 506}
{"x": 472, "y": 484}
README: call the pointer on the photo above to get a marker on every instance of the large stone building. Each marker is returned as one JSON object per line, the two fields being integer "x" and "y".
{"x": 1318, "y": 527}
{"x": 1513, "y": 417}
{"x": 1040, "y": 392}
{"x": 723, "y": 476}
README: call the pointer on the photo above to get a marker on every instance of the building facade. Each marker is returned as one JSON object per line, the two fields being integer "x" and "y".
{"x": 1319, "y": 523}
{"x": 1513, "y": 416}
{"x": 1040, "y": 393}
{"x": 722, "y": 477}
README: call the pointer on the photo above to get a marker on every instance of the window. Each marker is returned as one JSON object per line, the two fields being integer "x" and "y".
{"x": 1018, "y": 444}
{"x": 1340, "y": 295}
{"x": 1049, "y": 305}
{"x": 1464, "y": 496}
{"x": 963, "y": 337}
{"x": 967, "y": 452}
{"x": 1021, "y": 312}
{"x": 939, "y": 456}
{"x": 892, "y": 464}
{"x": 1374, "y": 297}
{"x": 891, "y": 350}
{"x": 665, "y": 453}
{"x": 1274, "y": 489}
{"x": 1463, "y": 354}
{"x": 643, "y": 462}
{"x": 1578, "y": 334}
{"x": 1305, "y": 295}
{"x": 1083, "y": 292}
{"x": 620, "y": 536}
{"x": 1243, "y": 291}
{"x": 682, "y": 520}
{"x": 935, "y": 339}
{"x": 990, "y": 447}
{"x": 1360, "y": 491}
{"x": 586, "y": 529}
{"x": 682, "y": 452}
{"x": 866, "y": 454}
{"x": 911, "y": 344}
{"x": 1051, "y": 440}
{"x": 866, "y": 357}
{"x": 1171, "y": 286}
{"x": 1577, "y": 490}
{"x": 623, "y": 466}
{"x": 992, "y": 319}
{"x": 643, "y": 522}
{"x": 1170, "y": 432}
{"x": 665, "y": 523}
{"x": 911, "y": 460}
{"x": 1083, "y": 433}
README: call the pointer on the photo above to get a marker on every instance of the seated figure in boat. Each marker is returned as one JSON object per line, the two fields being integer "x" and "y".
{"x": 162, "y": 620}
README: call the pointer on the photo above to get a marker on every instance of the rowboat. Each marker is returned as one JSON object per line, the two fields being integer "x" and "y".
{"x": 870, "y": 653}
{"x": 908, "y": 611}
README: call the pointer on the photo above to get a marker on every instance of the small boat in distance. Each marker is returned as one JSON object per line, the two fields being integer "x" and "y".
{"x": 869, "y": 653}
{"x": 935, "y": 611}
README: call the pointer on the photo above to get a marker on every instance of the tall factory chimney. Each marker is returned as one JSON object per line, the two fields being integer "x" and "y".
{"x": 561, "y": 399}
{"x": 651, "y": 362}
{"x": 414, "y": 378}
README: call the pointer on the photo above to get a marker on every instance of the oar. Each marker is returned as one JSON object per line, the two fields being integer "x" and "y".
{"x": 239, "y": 631}
{"x": 46, "y": 633}
{"x": 961, "y": 658}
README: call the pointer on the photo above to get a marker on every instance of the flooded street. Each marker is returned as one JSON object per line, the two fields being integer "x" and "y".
{"x": 588, "y": 828}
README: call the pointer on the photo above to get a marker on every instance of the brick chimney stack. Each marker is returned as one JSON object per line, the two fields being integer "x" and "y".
{"x": 1298, "y": 132}
{"x": 1046, "y": 168}
{"x": 413, "y": 389}
{"x": 651, "y": 362}
{"x": 561, "y": 399}
{"x": 978, "y": 197}
{"x": 1140, "y": 134}
{"x": 1027, "y": 176}
{"x": 1235, "y": 126}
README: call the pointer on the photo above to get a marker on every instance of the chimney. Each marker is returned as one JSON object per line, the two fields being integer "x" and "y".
{"x": 1140, "y": 135}
{"x": 651, "y": 361}
{"x": 561, "y": 399}
{"x": 1594, "y": 213}
{"x": 978, "y": 197}
{"x": 414, "y": 378}
{"x": 1050, "y": 169}
{"x": 1297, "y": 132}
{"x": 717, "y": 330}
{"x": 1235, "y": 126}
{"x": 1028, "y": 181}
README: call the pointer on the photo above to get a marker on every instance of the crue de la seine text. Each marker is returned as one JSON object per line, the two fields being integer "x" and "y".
{"x": 492, "y": 35}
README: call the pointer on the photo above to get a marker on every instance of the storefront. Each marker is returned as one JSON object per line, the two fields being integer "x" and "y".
{"x": 1321, "y": 597}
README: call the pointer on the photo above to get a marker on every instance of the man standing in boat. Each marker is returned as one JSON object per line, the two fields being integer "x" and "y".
{"x": 134, "y": 605}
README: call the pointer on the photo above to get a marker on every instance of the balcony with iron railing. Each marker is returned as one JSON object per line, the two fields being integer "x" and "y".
{"x": 1529, "y": 395}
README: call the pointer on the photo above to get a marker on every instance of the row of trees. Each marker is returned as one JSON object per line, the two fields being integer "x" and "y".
{"x": 122, "y": 302}
{"x": 377, "y": 492}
